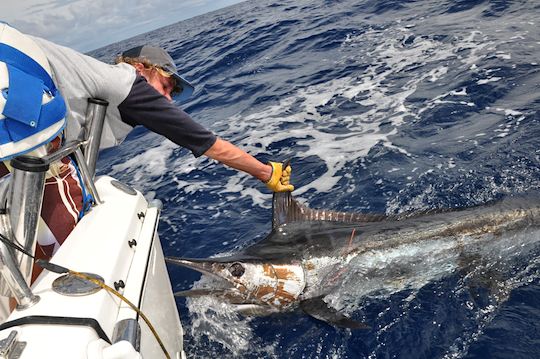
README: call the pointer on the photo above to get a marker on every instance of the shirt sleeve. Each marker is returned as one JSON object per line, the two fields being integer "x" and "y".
{"x": 147, "y": 107}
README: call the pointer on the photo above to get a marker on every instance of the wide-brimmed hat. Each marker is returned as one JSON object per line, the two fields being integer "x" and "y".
{"x": 159, "y": 57}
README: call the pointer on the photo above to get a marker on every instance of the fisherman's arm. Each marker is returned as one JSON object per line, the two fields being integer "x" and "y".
{"x": 273, "y": 174}
{"x": 232, "y": 156}
{"x": 145, "y": 106}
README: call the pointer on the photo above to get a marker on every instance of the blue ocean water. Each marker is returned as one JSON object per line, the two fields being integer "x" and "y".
{"x": 382, "y": 106}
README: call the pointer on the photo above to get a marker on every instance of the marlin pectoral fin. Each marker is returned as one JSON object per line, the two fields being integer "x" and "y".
{"x": 484, "y": 282}
{"x": 318, "y": 309}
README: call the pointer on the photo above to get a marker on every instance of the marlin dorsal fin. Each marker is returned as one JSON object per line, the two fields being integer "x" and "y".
{"x": 285, "y": 209}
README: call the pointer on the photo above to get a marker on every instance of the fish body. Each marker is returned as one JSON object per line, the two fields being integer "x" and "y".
{"x": 310, "y": 253}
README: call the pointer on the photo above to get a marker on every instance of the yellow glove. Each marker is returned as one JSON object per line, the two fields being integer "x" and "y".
{"x": 279, "y": 181}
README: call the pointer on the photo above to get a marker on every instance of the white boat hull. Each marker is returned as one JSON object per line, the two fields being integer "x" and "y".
{"x": 102, "y": 244}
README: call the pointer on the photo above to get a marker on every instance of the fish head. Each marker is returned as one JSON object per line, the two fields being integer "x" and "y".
{"x": 250, "y": 281}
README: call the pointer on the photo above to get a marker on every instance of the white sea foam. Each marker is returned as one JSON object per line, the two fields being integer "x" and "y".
{"x": 220, "y": 324}
{"x": 215, "y": 320}
{"x": 502, "y": 55}
{"x": 148, "y": 164}
{"x": 476, "y": 43}
{"x": 491, "y": 79}
{"x": 383, "y": 101}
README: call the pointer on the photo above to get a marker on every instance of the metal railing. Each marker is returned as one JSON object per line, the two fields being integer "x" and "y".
{"x": 24, "y": 202}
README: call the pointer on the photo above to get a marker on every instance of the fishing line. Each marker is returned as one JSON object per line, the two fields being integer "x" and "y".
{"x": 15, "y": 246}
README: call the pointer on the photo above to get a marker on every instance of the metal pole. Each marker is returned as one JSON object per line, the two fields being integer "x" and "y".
{"x": 95, "y": 117}
{"x": 87, "y": 177}
{"x": 23, "y": 212}
{"x": 66, "y": 150}
{"x": 14, "y": 284}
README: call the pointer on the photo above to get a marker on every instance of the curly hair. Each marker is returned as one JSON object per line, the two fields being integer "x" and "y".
{"x": 149, "y": 65}
{"x": 144, "y": 61}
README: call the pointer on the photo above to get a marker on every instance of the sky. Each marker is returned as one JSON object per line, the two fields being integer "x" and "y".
{"x": 89, "y": 24}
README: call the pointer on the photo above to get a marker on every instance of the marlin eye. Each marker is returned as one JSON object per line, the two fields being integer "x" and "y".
{"x": 237, "y": 270}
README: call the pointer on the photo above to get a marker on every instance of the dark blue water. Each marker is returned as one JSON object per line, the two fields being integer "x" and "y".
{"x": 383, "y": 106}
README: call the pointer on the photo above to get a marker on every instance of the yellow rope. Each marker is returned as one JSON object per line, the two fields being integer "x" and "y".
{"x": 124, "y": 299}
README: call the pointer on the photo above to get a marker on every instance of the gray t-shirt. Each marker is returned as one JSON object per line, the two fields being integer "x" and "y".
{"x": 132, "y": 101}
{"x": 79, "y": 77}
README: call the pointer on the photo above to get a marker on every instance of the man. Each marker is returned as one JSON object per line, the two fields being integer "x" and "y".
{"x": 139, "y": 90}
{"x": 157, "y": 73}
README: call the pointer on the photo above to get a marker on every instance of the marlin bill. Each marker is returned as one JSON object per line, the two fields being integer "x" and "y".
{"x": 317, "y": 260}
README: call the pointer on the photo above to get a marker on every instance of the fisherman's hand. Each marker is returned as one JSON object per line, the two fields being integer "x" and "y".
{"x": 279, "y": 180}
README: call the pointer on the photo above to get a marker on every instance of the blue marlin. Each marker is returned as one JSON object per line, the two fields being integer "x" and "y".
{"x": 312, "y": 254}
